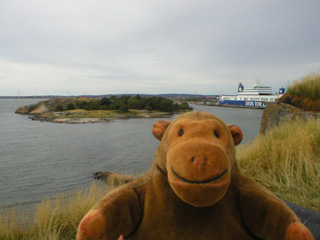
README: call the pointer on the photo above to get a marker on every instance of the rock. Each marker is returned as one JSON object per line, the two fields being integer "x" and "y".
{"x": 309, "y": 218}
{"x": 40, "y": 109}
{"x": 78, "y": 120}
{"x": 113, "y": 178}
{"x": 23, "y": 110}
{"x": 26, "y": 109}
{"x": 276, "y": 113}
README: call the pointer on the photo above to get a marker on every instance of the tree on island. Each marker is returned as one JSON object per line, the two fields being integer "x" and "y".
{"x": 126, "y": 102}
{"x": 166, "y": 105}
{"x": 70, "y": 106}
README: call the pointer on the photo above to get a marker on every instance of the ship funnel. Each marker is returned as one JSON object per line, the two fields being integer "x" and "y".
{"x": 240, "y": 87}
{"x": 282, "y": 90}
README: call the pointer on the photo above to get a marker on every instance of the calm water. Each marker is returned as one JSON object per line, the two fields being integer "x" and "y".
{"x": 39, "y": 159}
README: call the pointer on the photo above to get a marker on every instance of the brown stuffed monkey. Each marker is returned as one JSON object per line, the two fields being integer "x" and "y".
{"x": 194, "y": 191}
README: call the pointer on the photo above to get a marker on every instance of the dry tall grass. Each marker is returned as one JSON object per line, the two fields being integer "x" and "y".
{"x": 308, "y": 86}
{"x": 304, "y": 93}
{"x": 54, "y": 219}
{"x": 287, "y": 161}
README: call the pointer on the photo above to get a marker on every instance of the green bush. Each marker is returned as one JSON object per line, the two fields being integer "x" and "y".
{"x": 118, "y": 105}
{"x": 105, "y": 101}
{"x": 134, "y": 103}
{"x": 125, "y": 99}
{"x": 185, "y": 107}
{"x": 124, "y": 109}
{"x": 82, "y": 104}
{"x": 104, "y": 107}
{"x": 92, "y": 106}
{"x": 166, "y": 105}
{"x": 70, "y": 106}
{"x": 59, "y": 108}
{"x": 112, "y": 106}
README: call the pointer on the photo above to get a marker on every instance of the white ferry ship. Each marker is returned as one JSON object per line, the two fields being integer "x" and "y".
{"x": 256, "y": 96}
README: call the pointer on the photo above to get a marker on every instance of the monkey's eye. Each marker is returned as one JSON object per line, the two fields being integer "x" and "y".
{"x": 216, "y": 134}
{"x": 181, "y": 132}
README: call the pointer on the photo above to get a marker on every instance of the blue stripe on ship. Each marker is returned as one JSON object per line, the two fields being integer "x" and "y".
{"x": 243, "y": 103}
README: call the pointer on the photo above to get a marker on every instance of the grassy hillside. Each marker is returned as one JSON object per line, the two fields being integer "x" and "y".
{"x": 304, "y": 93}
{"x": 287, "y": 161}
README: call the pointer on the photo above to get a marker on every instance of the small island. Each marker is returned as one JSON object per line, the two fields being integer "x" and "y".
{"x": 91, "y": 110}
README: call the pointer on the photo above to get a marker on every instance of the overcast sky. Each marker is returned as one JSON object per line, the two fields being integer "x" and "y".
{"x": 155, "y": 46}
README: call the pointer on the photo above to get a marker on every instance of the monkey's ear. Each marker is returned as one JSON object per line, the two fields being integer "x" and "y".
{"x": 236, "y": 134}
{"x": 159, "y": 128}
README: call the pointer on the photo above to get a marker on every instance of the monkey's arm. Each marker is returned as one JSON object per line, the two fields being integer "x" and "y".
{"x": 267, "y": 216}
{"x": 118, "y": 213}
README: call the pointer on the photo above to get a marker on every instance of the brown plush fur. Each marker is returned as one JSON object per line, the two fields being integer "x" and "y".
{"x": 194, "y": 191}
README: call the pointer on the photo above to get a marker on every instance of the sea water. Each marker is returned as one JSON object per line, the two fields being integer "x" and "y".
{"x": 42, "y": 159}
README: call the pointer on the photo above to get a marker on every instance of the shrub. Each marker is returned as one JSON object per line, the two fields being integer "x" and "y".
{"x": 155, "y": 102}
{"x": 112, "y": 107}
{"x": 59, "y": 108}
{"x": 149, "y": 108}
{"x": 138, "y": 97}
{"x": 104, "y": 107}
{"x": 125, "y": 99}
{"x": 82, "y": 104}
{"x": 136, "y": 104}
{"x": 118, "y": 105}
{"x": 92, "y": 106}
{"x": 124, "y": 109}
{"x": 70, "y": 106}
{"x": 185, "y": 107}
{"x": 166, "y": 105}
{"x": 105, "y": 101}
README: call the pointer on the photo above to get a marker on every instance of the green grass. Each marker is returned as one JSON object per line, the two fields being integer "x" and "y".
{"x": 304, "y": 93}
{"x": 287, "y": 161}
{"x": 80, "y": 113}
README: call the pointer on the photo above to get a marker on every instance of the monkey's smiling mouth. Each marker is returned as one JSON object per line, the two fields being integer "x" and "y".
{"x": 199, "y": 182}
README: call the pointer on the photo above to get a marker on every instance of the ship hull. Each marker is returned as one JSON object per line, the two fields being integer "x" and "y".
{"x": 243, "y": 103}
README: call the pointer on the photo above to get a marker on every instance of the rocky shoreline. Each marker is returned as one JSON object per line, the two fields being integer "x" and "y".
{"x": 68, "y": 120}
{"x": 113, "y": 178}
{"x": 42, "y": 118}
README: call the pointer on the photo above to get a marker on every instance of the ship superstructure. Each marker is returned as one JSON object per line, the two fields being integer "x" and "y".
{"x": 256, "y": 96}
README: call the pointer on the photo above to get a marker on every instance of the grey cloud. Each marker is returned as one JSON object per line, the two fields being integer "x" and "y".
{"x": 183, "y": 46}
